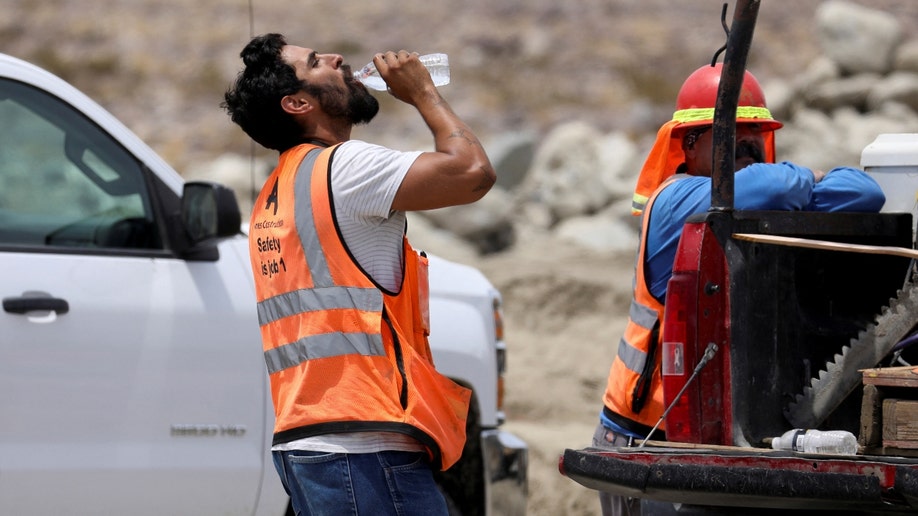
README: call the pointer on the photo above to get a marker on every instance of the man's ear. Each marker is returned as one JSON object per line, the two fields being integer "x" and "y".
{"x": 296, "y": 104}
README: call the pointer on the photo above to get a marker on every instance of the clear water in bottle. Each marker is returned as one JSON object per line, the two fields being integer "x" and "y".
{"x": 436, "y": 64}
{"x": 834, "y": 442}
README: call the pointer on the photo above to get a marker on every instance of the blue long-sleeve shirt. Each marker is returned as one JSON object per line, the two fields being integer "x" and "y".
{"x": 761, "y": 186}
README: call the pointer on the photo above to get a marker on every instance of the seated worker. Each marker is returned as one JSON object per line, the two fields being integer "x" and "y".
{"x": 675, "y": 183}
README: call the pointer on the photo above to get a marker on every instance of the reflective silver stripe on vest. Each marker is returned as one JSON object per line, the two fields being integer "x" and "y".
{"x": 633, "y": 358}
{"x": 642, "y": 316}
{"x": 311, "y": 300}
{"x": 306, "y": 223}
{"x": 324, "y": 295}
{"x": 323, "y": 346}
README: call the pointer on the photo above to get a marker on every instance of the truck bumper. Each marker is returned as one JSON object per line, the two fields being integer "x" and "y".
{"x": 766, "y": 479}
{"x": 506, "y": 462}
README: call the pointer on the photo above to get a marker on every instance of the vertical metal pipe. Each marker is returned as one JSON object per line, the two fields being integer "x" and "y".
{"x": 731, "y": 81}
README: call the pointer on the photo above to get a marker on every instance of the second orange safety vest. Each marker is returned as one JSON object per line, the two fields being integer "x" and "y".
{"x": 634, "y": 389}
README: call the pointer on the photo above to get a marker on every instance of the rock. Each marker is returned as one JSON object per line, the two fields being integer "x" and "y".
{"x": 906, "y": 59}
{"x": 900, "y": 87}
{"x": 425, "y": 236}
{"x": 619, "y": 164}
{"x": 534, "y": 215}
{"x": 603, "y": 232}
{"x": 782, "y": 99}
{"x": 820, "y": 70}
{"x": 809, "y": 140}
{"x": 511, "y": 156}
{"x": 565, "y": 175}
{"x": 487, "y": 224}
{"x": 904, "y": 117}
{"x": 858, "y": 38}
{"x": 862, "y": 129}
{"x": 847, "y": 91}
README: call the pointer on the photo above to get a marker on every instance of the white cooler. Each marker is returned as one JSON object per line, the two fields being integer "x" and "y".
{"x": 892, "y": 160}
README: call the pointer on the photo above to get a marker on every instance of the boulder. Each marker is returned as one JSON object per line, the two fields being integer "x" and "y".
{"x": 602, "y": 232}
{"x": 906, "y": 59}
{"x": 859, "y": 39}
{"x": 900, "y": 87}
{"x": 566, "y": 174}
{"x": 846, "y": 91}
{"x": 487, "y": 224}
{"x": 511, "y": 156}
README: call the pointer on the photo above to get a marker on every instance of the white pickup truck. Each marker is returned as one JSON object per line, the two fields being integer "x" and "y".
{"x": 131, "y": 370}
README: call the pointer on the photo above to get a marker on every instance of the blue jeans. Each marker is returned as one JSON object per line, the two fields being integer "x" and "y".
{"x": 392, "y": 483}
{"x": 615, "y": 505}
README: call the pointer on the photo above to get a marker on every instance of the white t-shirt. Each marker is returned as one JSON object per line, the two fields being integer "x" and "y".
{"x": 364, "y": 180}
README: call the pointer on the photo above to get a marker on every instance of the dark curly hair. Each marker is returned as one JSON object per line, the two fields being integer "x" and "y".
{"x": 254, "y": 101}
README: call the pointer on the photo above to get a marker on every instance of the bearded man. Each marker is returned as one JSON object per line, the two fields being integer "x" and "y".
{"x": 362, "y": 415}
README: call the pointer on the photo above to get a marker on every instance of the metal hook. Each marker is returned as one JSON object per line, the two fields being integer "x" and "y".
{"x": 723, "y": 22}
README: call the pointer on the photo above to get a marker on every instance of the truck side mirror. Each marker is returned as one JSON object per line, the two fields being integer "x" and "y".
{"x": 209, "y": 211}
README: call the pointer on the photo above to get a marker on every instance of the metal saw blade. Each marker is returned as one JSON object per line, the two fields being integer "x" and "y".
{"x": 842, "y": 375}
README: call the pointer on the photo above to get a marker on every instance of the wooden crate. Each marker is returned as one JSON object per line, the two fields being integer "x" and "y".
{"x": 889, "y": 411}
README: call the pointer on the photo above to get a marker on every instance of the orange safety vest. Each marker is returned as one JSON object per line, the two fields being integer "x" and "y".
{"x": 634, "y": 389}
{"x": 342, "y": 355}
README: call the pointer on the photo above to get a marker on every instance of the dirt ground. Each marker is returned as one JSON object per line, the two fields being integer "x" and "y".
{"x": 565, "y": 309}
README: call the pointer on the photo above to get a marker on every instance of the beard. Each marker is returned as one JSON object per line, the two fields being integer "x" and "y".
{"x": 355, "y": 104}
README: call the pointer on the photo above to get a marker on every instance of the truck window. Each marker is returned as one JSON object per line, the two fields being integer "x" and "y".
{"x": 66, "y": 183}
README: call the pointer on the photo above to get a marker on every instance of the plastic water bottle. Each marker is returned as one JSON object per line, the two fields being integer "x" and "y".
{"x": 833, "y": 442}
{"x": 436, "y": 64}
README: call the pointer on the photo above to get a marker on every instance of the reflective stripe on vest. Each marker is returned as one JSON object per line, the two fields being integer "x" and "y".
{"x": 645, "y": 317}
{"x": 638, "y": 202}
{"x": 323, "y": 345}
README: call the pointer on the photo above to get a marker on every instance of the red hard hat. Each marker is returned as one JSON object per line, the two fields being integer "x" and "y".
{"x": 698, "y": 96}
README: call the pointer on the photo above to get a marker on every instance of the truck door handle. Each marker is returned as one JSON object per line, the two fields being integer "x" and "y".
{"x": 31, "y": 302}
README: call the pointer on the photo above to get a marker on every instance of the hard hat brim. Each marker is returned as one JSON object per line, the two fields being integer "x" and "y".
{"x": 767, "y": 125}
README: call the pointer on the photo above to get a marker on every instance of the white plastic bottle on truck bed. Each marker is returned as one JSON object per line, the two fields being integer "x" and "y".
{"x": 835, "y": 442}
